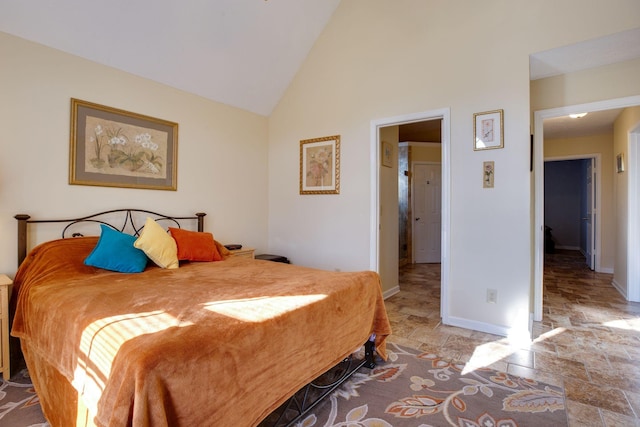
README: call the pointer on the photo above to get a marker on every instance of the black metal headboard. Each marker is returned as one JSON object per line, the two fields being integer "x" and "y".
{"x": 124, "y": 216}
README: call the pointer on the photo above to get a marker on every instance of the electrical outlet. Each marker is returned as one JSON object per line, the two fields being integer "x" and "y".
{"x": 492, "y": 296}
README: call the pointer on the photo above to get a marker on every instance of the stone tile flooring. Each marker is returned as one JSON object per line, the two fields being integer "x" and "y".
{"x": 588, "y": 341}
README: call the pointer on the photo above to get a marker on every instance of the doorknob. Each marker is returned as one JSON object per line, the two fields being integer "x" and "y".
{"x": 417, "y": 219}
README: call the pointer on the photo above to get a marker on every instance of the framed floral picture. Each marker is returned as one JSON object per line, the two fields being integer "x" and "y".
{"x": 488, "y": 171}
{"x": 116, "y": 148}
{"x": 320, "y": 165}
{"x": 488, "y": 130}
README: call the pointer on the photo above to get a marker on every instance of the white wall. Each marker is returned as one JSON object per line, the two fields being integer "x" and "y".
{"x": 379, "y": 59}
{"x": 221, "y": 150}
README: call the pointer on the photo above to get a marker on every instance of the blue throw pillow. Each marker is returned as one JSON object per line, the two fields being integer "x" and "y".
{"x": 115, "y": 251}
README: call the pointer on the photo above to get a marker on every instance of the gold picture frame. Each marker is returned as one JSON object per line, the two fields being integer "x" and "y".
{"x": 488, "y": 172}
{"x": 320, "y": 165}
{"x": 488, "y": 130}
{"x": 117, "y": 148}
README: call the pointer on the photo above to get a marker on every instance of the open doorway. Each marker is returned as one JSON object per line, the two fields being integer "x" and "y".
{"x": 386, "y": 267}
{"x": 420, "y": 192}
{"x": 538, "y": 163}
{"x": 571, "y": 199}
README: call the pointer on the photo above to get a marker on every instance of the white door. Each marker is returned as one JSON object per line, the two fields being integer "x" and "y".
{"x": 427, "y": 212}
{"x": 591, "y": 214}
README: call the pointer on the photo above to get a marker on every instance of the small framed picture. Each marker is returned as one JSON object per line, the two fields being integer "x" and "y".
{"x": 320, "y": 165}
{"x": 387, "y": 154}
{"x": 620, "y": 162}
{"x": 488, "y": 130}
{"x": 488, "y": 171}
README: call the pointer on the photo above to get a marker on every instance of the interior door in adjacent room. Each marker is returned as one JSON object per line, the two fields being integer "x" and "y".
{"x": 427, "y": 212}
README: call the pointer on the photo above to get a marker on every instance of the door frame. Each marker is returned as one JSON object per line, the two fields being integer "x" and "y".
{"x": 413, "y": 201}
{"x": 538, "y": 160}
{"x": 593, "y": 197}
{"x": 633, "y": 230}
{"x": 443, "y": 114}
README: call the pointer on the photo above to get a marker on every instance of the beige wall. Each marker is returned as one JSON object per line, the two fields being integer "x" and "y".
{"x": 613, "y": 81}
{"x": 221, "y": 150}
{"x": 587, "y": 146}
{"x": 370, "y": 64}
{"x": 428, "y": 153}
{"x": 627, "y": 121}
{"x": 389, "y": 215}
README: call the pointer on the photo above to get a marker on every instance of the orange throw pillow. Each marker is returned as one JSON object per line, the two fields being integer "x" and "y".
{"x": 195, "y": 246}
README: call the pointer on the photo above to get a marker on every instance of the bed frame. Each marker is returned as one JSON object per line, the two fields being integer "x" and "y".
{"x": 295, "y": 408}
{"x": 308, "y": 397}
{"x": 129, "y": 218}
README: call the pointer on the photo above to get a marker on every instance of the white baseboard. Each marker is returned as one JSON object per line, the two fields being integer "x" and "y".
{"x": 390, "y": 292}
{"x": 620, "y": 289}
{"x": 488, "y": 328}
{"x": 607, "y": 270}
{"x": 531, "y": 325}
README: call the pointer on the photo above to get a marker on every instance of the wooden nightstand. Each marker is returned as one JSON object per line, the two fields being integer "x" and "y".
{"x": 5, "y": 366}
{"x": 244, "y": 252}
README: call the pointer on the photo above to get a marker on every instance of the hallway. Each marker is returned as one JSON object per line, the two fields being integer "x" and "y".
{"x": 588, "y": 341}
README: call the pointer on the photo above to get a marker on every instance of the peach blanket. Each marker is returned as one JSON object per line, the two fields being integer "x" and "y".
{"x": 208, "y": 344}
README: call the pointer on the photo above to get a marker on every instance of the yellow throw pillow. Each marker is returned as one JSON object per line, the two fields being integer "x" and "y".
{"x": 158, "y": 245}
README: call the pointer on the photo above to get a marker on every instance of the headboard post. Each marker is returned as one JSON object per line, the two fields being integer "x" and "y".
{"x": 22, "y": 237}
{"x": 200, "y": 216}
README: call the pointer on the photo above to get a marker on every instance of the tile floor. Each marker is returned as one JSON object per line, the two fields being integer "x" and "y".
{"x": 588, "y": 341}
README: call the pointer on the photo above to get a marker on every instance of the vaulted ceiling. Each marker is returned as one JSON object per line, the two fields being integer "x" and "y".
{"x": 243, "y": 53}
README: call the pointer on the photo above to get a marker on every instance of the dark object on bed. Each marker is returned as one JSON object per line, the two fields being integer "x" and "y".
{"x": 177, "y": 346}
{"x": 274, "y": 258}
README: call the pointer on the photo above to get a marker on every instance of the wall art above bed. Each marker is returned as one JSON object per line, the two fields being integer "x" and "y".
{"x": 116, "y": 148}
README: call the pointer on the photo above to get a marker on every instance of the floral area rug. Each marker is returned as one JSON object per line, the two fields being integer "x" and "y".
{"x": 422, "y": 390}
{"x": 19, "y": 404}
{"x": 410, "y": 389}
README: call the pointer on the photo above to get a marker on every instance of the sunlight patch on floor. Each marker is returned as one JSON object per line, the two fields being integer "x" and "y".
{"x": 488, "y": 354}
{"x": 626, "y": 324}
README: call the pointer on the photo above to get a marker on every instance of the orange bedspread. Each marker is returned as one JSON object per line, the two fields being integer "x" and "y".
{"x": 208, "y": 344}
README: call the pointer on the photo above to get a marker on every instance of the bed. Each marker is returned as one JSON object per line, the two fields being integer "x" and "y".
{"x": 219, "y": 343}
